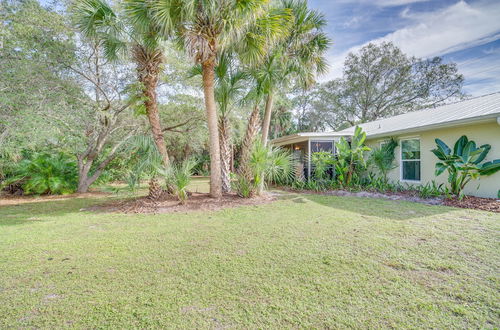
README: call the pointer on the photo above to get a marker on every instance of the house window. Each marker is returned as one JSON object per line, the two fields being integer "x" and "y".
{"x": 317, "y": 146}
{"x": 410, "y": 160}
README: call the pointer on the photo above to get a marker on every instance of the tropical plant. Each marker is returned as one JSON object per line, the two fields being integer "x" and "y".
{"x": 432, "y": 189}
{"x": 322, "y": 161}
{"x": 145, "y": 162}
{"x": 463, "y": 163}
{"x": 45, "y": 173}
{"x": 267, "y": 164}
{"x": 350, "y": 158}
{"x": 207, "y": 28}
{"x": 243, "y": 186}
{"x": 299, "y": 57}
{"x": 383, "y": 158}
{"x": 178, "y": 177}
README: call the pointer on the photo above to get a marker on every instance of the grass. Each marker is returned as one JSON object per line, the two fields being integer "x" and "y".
{"x": 305, "y": 261}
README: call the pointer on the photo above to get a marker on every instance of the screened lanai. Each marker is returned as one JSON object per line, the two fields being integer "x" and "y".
{"x": 302, "y": 145}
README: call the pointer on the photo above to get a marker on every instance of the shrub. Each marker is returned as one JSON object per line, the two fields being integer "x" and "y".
{"x": 432, "y": 189}
{"x": 45, "y": 173}
{"x": 351, "y": 162}
{"x": 383, "y": 158}
{"x": 322, "y": 162}
{"x": 463, "y": 163}
{"x": 178, "y": 177}
{"x": 266, "y": 164}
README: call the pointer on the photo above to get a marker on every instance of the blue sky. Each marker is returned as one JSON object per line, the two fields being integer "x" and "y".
{"x": 465, "y": 32}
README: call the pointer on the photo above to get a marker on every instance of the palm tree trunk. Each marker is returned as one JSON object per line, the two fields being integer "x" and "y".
{"x": 267, "y": 118}
{"x": 211, "y": 111}
{"x": 247, "y": 144}
{"x": 148, "y": 69}
{"x": 225, "y": 153}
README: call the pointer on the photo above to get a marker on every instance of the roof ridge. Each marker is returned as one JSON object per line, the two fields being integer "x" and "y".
{"x": 422, "y": 110}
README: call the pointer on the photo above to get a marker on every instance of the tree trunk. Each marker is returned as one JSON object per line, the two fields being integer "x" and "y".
{"x": 83, "y": 185}
{"x": 155, "y": 189}
{"x": 267, "y": 118}
{"x": 247, "y": 144}
{"x": 225, "y": 153}
{"x": 211, "y": 111}
{"x": 148, "y": 69}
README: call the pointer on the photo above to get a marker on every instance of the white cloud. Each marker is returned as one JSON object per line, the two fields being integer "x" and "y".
{"x": 382, "y": 3}
{"x": 450, "y": 29}
{"x": 390, "y": 3}
{"x": 481, "y": 73}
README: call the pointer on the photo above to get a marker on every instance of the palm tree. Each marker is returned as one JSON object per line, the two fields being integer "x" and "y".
{"x": 255, "y": 95}
{"x": 207, "y": 28}
{"x": 229, "y": 85}
{"x": 299, "y": 57}
{"x": 129, "y": 31}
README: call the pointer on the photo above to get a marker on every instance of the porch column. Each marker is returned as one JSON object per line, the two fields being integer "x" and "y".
{"x": 308, "y": 158}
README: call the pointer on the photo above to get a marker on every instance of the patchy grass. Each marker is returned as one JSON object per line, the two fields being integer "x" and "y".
{"x": 307, "y": 261}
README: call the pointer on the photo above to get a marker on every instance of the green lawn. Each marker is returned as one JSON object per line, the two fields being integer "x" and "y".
{"x": 305, "y": 261}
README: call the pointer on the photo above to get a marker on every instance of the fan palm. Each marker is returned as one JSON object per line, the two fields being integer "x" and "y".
{"x": 130, "y": 30}
{"x": 207, "y": 28}
{"x": 229, "y": 84}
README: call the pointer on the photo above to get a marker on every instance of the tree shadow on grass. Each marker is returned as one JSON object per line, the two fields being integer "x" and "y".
{"x": 29, "y": 212}
{"x": 368, "y": 206}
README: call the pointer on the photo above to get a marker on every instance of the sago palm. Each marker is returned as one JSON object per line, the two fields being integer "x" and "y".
{"x": 130, "y": 30}
{"x": 207, "y": 28}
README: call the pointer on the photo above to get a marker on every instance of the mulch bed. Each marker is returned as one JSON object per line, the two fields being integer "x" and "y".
{"x": 468, "y": 202}
{"x": 170, "y": 204}
{"x": 478, "y": 203}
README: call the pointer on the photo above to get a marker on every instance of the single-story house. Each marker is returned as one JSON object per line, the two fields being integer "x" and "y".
{"x": 478, "y": 118}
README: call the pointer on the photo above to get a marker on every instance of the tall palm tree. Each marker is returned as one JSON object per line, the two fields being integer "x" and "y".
{"x": 207, "y": 28}
{"x": 299, "y": 57}
{"x": 131, "y": 31}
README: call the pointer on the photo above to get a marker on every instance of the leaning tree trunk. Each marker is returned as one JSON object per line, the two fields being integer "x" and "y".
{"x": 225, "y": 153}
{"x": 267, "y": 118}
{"x": 247, "y": 144}
{"x": 211, "y": 111}
{"x": 148, "y": 70}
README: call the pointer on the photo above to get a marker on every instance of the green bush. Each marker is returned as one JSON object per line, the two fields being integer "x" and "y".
{"x": 322, "y": 162}
{"x": 45, "y": 173}
{"x": 178, "y": 177}
{"x": 267, "y": 164}
{"x": 383, "y": 158}
{"x": 463, "y": 163}
{"x": 351, "y": 163}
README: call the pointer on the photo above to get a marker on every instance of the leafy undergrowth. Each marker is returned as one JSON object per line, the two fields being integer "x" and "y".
{"x": 307, "y": 261}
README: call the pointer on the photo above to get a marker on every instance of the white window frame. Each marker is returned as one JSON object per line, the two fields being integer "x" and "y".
{"x": 409, "y": 160}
